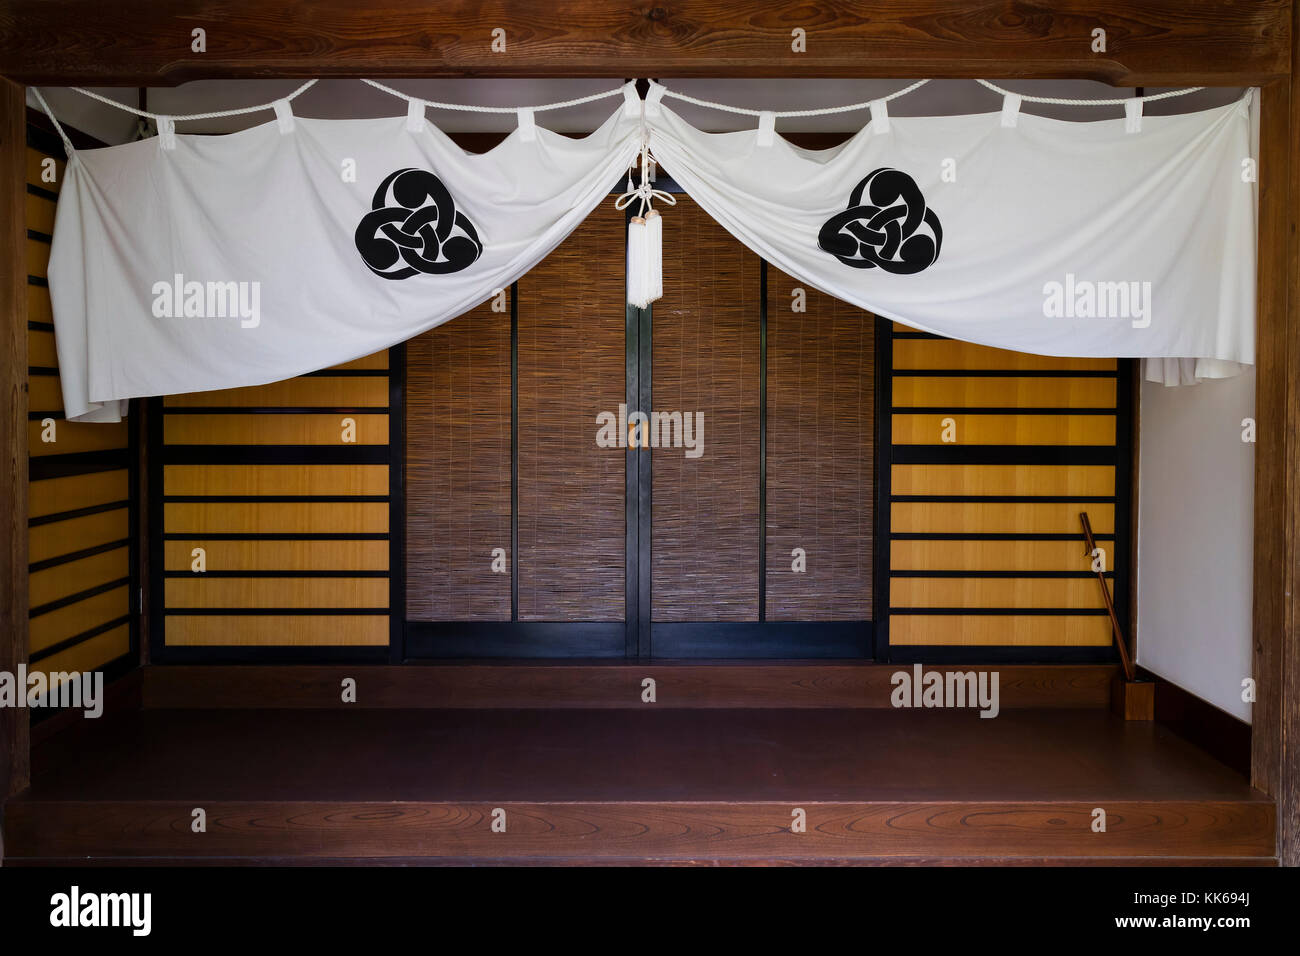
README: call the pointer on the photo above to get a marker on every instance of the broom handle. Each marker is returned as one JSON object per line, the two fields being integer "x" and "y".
{"x": 1124, "y": 658}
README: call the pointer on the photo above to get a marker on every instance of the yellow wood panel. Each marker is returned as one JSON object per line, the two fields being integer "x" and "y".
{"x": 275, "y": 479}
{"x": 44, "y": 393}
{"x": 52, "y": 495}
{"x": 76, "y": 534}
{"x": 996, "y": 592}
{"x": 1007, "y": 429}
{"x": 38, "y": 257}
{"x": 71, "y": 437}
{"x": 1044, "y": 480}
{"x": 34, "y": 169}
{"x": 200, "y": 518}
{"x": 279, "y": 555}
{"x": 90, "y": 654}
{"x": 951, "y": 354}
{"x": 64, "y": 580}
{"x": 991, "y": 555}
{"x": 348, "y": 391}
{"x": 54, "y": 626}
{"x": 375, "y": 361}
{"x": 40, "y": 214}
{"x": 41, "y": 351}
{"x": 985, "y": 630}
{"x": 952, "y": 517}
{"x": 264, "y": 630}
{"x": 39, "y": 308}
{"x": 1003, "y": 392}
{"x": 272, "y": 429}
{"x": 204, "y": 592}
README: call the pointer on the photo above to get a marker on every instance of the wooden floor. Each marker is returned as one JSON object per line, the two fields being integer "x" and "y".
{"x": 631, "y": 785}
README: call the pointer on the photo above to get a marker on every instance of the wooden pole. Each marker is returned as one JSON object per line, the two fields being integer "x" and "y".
{"x": 1124, "y": 657}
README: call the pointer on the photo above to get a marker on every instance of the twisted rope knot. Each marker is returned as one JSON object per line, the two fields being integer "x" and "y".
{"x": 646, "y": 193}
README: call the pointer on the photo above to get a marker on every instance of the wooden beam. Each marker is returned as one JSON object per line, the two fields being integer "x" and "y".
{"x": 1148, "y": 43}
{"x": 15, "y": 757}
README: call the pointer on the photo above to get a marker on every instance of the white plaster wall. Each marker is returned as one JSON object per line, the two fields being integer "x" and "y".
{"x": 1195, "y": 537}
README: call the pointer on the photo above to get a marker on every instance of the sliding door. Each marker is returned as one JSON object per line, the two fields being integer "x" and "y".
{"x": 760, "y": 541}
{"x": 515, "y": 517}
{"x": 546, "y": 518}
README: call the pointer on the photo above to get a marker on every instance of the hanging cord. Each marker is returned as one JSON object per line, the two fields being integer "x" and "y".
{"x": 491, "y": 109}
{"x": 792, "y": 113}
{"x": 67, "y": 143}
{"x": 1061, "y": 101}
{"x": 644, "y": 192}
{"x": 852, "y": 107}
{"x": 196, "y": 116}
{"x": 645, "y": 277}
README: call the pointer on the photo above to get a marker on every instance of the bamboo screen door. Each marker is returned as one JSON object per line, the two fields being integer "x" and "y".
{"x": 748, "y": 531}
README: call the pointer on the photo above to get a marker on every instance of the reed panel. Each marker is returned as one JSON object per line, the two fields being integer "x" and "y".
{"x": 572, "y": 354}
{"x": 706, "y": 354}
{"x": 458, "y": 470}
{"x": 820, "y": 455}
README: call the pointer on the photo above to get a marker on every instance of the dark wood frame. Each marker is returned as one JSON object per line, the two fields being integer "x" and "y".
{"x": 1153, "y": 43}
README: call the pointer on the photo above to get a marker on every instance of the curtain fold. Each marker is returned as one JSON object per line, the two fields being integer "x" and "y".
{"x": 297, "y": 245}
{"x": 1111, "y": 239}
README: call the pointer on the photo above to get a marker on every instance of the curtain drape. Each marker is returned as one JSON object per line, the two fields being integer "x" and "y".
{"x": 298, "y": 244}
{"x": 190, "y": 263}
{"x": 1121, "y": 238}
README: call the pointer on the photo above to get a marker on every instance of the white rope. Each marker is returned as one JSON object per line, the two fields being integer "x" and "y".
{"x": 644, "y": 192}
{"x": 67, "y": 143}
{"x": 790, "y": 113}
{"x": 195, "y": 116}
{"x": 491, "y": 109}
{"x": 826, "y": 111}
{"x": 1061, "y": 101}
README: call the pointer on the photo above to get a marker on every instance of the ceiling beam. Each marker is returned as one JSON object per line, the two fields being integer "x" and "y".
{"x": 1148, "y": 42}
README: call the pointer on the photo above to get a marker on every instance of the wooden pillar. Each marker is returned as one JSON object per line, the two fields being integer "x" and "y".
{"x": 15, "y": 757}
{"x": 1275, "y": 747}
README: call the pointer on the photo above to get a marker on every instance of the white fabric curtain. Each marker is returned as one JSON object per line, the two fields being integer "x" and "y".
{"x": 188, "y": 263}
{"x": 1121, "y": 238}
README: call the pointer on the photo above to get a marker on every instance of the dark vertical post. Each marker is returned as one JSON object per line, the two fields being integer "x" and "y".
{"x": 397, "y": 504}
{"x": 762, "y": 440}
{"x": 15, "y": 756}
{"x": 514, "y": 451}
{"x": 632, "y": 484}
{"x": 645, "y": 486}
{"x": 884, "y": 401}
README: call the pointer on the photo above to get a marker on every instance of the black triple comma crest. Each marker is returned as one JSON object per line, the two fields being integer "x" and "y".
{"x": 413, "y": 227}
{"x": 887, "y": 225}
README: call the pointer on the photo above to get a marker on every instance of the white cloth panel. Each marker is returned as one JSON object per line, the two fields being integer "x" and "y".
{"x": 299, "y": 244}
{"x": 1008, "y": 229}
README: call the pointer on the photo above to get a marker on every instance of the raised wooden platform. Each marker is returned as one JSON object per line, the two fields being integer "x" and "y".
{"x": 641, "y": 784}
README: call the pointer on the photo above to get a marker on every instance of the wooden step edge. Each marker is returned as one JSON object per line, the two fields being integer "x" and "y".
{"x": 640, "y": 831}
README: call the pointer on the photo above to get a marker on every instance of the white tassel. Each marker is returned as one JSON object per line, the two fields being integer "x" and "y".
{"x": 638, "y": 291}
{"x": 654, "y": 225}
